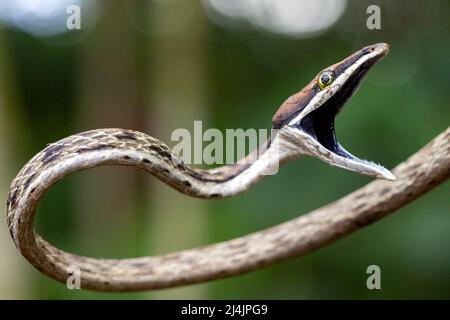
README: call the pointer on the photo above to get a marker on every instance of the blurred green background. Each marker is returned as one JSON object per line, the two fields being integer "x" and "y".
{"x": 156, "y": 66}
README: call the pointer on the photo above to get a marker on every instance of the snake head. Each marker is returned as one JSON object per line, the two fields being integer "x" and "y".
{"x": 306, "y": 119}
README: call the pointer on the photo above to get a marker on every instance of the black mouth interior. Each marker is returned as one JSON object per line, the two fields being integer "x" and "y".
{"x": 320, "y": 122}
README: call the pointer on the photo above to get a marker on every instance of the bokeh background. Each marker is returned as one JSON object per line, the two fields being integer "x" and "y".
{"x": 156, "y": 66}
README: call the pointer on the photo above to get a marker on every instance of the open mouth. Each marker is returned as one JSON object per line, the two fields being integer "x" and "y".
{"x": 320, "y": 123}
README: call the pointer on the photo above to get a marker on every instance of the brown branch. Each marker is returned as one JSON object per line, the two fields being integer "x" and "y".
{"x": 423, "y": 171}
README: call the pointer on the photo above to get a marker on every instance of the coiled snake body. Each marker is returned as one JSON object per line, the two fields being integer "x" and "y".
{"x": 304, "y": 125}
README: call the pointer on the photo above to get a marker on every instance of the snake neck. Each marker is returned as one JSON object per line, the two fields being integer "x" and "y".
{"x": 232, "y": 179}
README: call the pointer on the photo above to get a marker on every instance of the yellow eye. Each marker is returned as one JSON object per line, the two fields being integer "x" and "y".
{"x": 325, "y": 79}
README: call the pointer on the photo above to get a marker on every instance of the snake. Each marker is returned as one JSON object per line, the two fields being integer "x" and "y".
{"x": 302, "y": 126}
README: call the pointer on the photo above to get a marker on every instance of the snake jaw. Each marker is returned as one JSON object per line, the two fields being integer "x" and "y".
{"x": 314, "y": 120}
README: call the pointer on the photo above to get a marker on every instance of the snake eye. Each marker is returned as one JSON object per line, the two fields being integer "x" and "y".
{"x": 325, "y": 79}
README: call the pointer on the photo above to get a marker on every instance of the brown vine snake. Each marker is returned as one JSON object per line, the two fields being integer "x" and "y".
{"x": 304, "y": 126}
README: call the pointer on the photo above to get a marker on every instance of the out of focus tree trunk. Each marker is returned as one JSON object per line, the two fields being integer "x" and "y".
{"x": 177, "y": 98}
{"x": 13, "y": 277}
{"x": 108, "y": 80}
